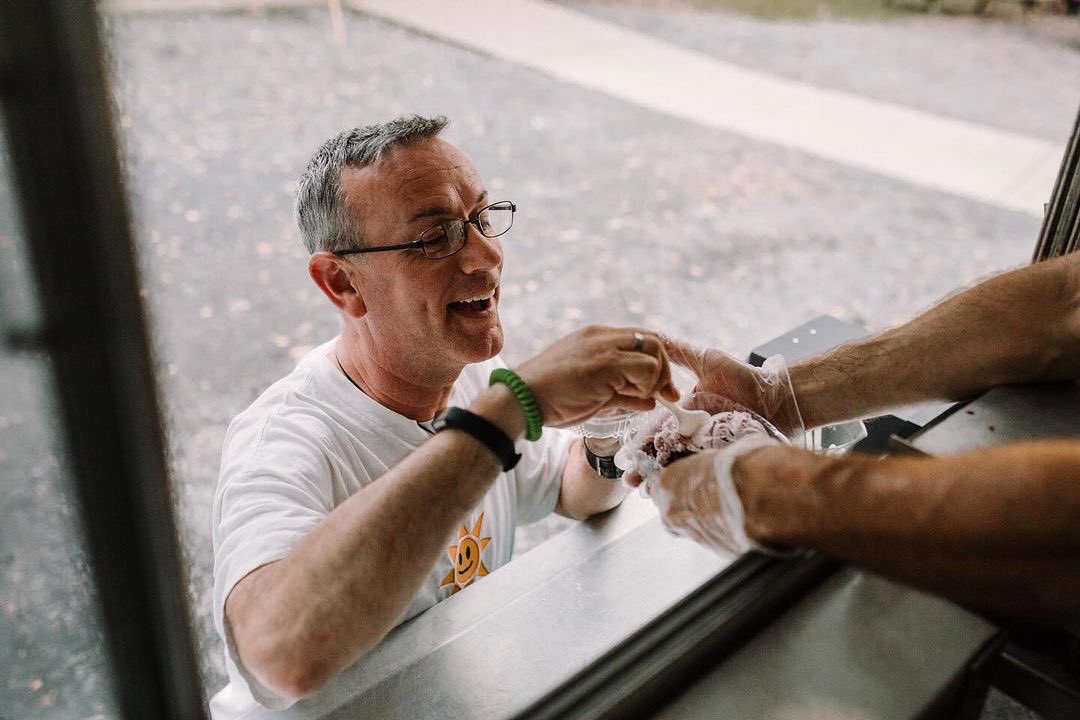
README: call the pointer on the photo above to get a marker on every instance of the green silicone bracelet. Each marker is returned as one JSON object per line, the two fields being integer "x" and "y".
{"x": 534, "y": 420}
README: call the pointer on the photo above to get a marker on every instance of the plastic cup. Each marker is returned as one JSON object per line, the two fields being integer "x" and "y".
{"x": 604, "y": 433}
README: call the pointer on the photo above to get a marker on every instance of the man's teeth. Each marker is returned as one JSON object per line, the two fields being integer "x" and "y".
{"x": 479, "y": 298}
{"x": 479, "y": 303}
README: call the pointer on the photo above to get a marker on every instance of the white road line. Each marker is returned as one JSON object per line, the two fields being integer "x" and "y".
{"x": 993, "y": 166}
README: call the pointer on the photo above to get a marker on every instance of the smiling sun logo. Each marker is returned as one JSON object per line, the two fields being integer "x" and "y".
{"x": 465, "y": 557}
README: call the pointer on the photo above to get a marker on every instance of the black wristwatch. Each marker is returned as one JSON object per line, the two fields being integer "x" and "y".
{"x": 604, "y": 466}
{"x": 489, "y": 434}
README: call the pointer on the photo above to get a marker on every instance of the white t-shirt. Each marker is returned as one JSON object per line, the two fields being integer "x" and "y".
{"x": 311, "y": 441}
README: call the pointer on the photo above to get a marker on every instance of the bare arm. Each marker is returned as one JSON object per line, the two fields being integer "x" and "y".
{"x": 299, "y": 621}
{"x": 1021, "y": 326}
{"x": 583, "y": 492}
{"x": 995, "y": 528}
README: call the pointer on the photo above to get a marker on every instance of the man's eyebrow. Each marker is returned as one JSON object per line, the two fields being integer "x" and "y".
{"x": 439, "y": 210}
{"x": 432, "y": 211}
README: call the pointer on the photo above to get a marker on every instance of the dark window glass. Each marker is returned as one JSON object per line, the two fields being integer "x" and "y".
{"x": 52, "y": 654}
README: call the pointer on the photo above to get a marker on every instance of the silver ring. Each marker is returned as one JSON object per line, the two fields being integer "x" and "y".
{"x": 639, "y": 342}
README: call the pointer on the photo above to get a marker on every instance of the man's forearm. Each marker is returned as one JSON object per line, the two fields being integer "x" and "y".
{"x": 995, "y": 528}
{"x": 1021, "y": 326}
{"x": 345, "y": 585}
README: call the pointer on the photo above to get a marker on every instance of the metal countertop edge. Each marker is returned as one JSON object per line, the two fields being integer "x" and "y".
{"x": 644, "y": 672}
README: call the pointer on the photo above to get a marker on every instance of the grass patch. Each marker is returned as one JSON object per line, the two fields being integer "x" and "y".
{"x": 809, "y": 9}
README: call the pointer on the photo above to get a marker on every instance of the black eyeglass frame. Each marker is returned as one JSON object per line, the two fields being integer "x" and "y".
{"x": 421, "y": 244}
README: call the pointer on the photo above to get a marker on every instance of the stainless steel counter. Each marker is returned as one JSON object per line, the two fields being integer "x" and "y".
{"x": 1011, "y": 413}
{"x": 493, "y": 649}
{"x": 497, "y": 648}
{"x": 858, "y": 647}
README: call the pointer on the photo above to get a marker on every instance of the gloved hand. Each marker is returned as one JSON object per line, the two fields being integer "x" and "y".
{"x": 766, "y": 390}
{"x": 697, "y": 497}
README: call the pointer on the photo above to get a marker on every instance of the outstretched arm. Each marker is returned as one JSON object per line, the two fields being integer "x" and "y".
{"x": 1021, "y": 326}
{"x": 995, "y": 528}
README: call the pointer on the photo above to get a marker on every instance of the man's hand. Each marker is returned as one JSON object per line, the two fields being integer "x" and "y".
{"x": 595, "y": 369}
{"x": 766, "y": 390}
{"x": 697, "y": 497}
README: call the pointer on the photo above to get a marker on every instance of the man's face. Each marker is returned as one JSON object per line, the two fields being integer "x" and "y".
{"x": 415, "y": 306}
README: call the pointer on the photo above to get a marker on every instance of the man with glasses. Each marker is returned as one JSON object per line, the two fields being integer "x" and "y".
{"x": 382, "y": 475}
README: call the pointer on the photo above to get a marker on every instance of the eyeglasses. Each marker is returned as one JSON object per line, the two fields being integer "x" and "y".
{"x": 446, "y": 238}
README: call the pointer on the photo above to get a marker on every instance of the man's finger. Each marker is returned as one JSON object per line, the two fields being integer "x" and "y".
{"x": 651, "y": 344}
{"x": 637, "y": 342}
{"x": 641, "y": 375}
{"x": 628, "y": 402}
{"x": 666, "y": 384}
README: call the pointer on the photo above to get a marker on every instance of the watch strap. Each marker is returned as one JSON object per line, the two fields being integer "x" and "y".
{"x": 604, "y": 466}
{"x": 487, "y": 433}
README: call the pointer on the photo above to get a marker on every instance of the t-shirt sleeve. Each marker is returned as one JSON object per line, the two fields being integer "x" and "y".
{"x": 538, "y": 476}
{"x": 275, "y": 487}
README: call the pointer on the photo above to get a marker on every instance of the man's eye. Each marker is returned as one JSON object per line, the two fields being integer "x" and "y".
{"x": 436, "y": 237}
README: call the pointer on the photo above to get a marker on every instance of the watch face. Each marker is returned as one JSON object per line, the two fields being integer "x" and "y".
{"x": 439, "y": 422}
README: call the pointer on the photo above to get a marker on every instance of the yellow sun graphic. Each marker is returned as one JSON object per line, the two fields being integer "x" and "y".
{"x": 465, "y": 557}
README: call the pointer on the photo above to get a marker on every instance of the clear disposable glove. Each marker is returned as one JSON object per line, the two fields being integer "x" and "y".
{"x": 697, "y": 497}
{"x": 766, "y": 390}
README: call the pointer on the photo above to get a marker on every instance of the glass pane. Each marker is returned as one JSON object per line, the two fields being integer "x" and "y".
{"x": 52, "y": 654}
{"x": 629, "y": 214}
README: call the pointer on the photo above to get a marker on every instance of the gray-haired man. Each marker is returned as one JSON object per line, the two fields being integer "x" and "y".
{"x": 340, "y": 511}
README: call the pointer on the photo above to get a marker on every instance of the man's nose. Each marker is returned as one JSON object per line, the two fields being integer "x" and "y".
{"x": 480, "y": 253}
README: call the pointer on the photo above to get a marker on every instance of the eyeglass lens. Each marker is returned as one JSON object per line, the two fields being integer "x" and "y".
{"x": 447, "y": 238}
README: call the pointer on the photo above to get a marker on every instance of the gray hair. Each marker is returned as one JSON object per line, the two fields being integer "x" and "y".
{"x": 320, "y": 209}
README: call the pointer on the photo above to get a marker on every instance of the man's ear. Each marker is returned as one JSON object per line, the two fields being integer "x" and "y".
{"x": 339, "y": 281}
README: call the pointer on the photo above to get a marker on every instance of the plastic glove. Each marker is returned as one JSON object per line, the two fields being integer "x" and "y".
{"x": 697, "y": 497}
{"x": 766, "y": 390}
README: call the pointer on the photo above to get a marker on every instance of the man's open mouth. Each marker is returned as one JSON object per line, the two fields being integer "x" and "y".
{"x": 476, "y": 304}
